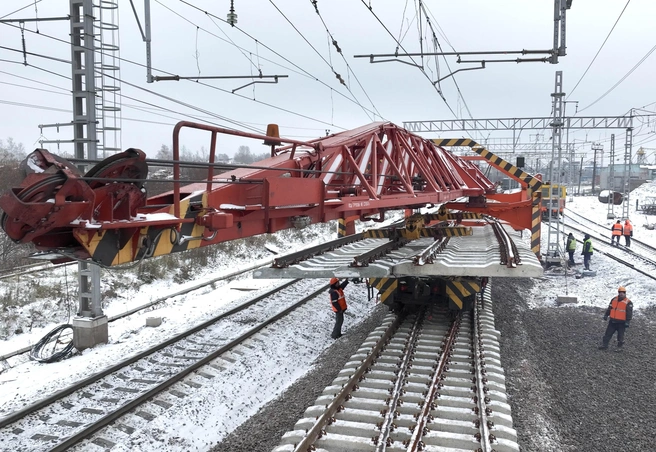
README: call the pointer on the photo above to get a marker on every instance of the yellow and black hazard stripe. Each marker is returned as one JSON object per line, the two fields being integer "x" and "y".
{"x": 455, "y": 216}
{"x": 376, "y": 234}
{"x": 341, "y": 228}
{"x": 451, "y": 231}
{"x": 114, "y": 246}
{"x": 536, "y": 225}
{"x": 508, "y": 167}
{"x": 455, "y": 142}
{"x": 386, "y": 288}
{"x": 458, "y": 290}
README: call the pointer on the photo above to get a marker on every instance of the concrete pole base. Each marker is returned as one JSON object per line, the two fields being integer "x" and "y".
{"x": 87, "y": 332}
{"x": 562, "y": 299}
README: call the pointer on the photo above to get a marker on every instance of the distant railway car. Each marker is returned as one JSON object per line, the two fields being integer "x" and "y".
{"x": 553, "y": 197}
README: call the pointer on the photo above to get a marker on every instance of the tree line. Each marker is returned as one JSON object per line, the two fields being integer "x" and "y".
{"x": 13, "y": 153}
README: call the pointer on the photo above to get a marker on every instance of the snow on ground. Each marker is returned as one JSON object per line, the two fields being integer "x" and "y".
{"x": 216, "y": 410}
{"x": 238, "y": 395}
{"x": 597, "y": 291}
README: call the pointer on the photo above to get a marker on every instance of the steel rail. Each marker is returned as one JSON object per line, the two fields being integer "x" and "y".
{"x": 626, "y": 249}
{"x": 615, "y": 258}
{"x": 426, "y": 256}
{"x": 38, "y": 270}
{"x": 150, "y": 303}
{"x": 296, "y": 257}
{"x": 317, "y": 429}
{"x": 364, "y": 259}
{"x": 507, "y": 248}
{"x": 424, "y": 417}
{"x": 479, "y": 369}
{"x": 640, "y": 243}
{"x": 17, "y": 415}
{"x": 387, "y": 424}
{"x": 106, "y": 420}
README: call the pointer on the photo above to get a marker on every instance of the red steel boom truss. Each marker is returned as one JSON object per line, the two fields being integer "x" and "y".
{"x": 357, "y": 174}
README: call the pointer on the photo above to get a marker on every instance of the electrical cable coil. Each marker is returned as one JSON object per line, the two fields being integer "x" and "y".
{"x": 40, "y": 352}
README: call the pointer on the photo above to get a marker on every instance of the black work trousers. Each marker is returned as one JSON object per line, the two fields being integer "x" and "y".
{"x": 586, "y": 261}
{"x": 571, "y": 256}
{"x": 627, "y": 240}
{"x": 610, "y": 330}
{"x": 339, "y": 320}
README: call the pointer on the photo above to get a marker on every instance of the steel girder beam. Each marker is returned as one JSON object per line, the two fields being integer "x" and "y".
{"x": 538, "y": 123}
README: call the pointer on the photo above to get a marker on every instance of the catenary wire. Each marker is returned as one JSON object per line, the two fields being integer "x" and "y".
{"x": 21, "y": 9}
{"x": 195, "y": 81}
{"x": 332, "y": 68}
{"x": 598, "y": 51}
{"x": 36, "y": 81}
{"x": 339, "y": 50}
{"x": 32, "y": 66}
{"x": 309, "y": 75}
{"x": 169, "y": 99}
{"x": 411, "y": 59}
{"x": 144, "y": 109}
{"x": 430, "y": 25}
{"x": 226, "y": 39}
{"x": 67, "y": 93}
{"x": 63, "y": 110}
{"x": 36, "y": 89}
{"x": 642, "y": 60}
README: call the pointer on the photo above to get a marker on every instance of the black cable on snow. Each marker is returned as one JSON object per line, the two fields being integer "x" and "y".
{"x": 45, "y": 351}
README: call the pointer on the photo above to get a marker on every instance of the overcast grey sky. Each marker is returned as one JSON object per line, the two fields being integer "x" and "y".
{"x": 308, "y": 107}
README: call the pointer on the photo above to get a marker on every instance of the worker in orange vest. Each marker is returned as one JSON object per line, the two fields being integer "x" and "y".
{"x": 620, "y": 312}
{"x": 617, "y": 232}
{"x": 338, "y": 303}
{"x": 628, "y": 232}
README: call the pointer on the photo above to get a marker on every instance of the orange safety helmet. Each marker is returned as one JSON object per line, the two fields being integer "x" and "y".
{"x": 622, "y": 289}
{"x": 333, "y": 281}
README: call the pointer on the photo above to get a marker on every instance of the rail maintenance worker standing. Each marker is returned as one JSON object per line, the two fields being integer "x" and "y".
{"x": 628, "y": 232}
{"x": 587, "y": 251}
{"x": 617, "y": 232}
{"x": 338, "y": 303}
{"x": 570, "y": 246}
{"x": 620, "y": 312}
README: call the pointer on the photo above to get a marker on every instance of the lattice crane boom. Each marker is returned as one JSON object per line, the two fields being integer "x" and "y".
{"x": 106, "y": 216}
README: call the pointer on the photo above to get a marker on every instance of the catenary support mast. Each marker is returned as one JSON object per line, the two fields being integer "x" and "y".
{"x": 553, "y": 234}
{"x": 628, "y": 147}
{"x": 90, "y": 326}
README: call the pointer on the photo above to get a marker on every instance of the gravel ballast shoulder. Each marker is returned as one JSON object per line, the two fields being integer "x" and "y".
{"x": 565, "y": 394}
{"x": 263, "y": 431}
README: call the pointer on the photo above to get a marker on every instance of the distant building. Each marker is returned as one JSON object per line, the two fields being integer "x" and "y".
{"x": 638, "y": 175}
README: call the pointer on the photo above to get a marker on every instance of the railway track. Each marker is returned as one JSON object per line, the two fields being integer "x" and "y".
{"x": 640, "y": 262}
{"x": 637, "y": 246}
{"x": 176, "y": 367}
{"x": 129, "y": 312}
{"x": 647, "y": 268}
{"x": 31, "y": 269}
{"x": 422, "y": 382}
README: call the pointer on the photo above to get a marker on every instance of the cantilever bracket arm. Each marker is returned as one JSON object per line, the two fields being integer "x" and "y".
{"x": 371, "y": 60}
{"x": 258, "y": 81}
{"x": 177, "y": 78}
{"x": 460, "y": 70}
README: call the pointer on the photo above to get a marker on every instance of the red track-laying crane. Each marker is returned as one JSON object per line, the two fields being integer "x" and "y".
{"x": 106, "y": 216}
